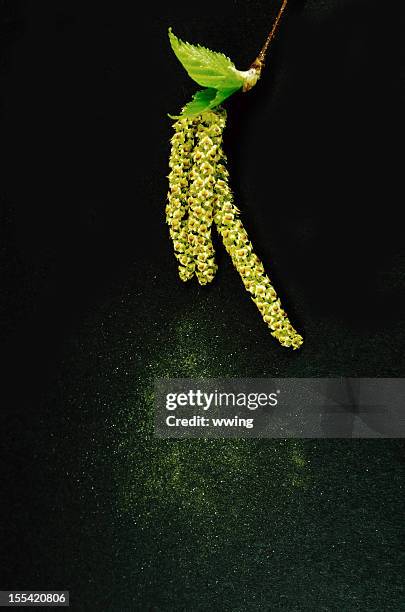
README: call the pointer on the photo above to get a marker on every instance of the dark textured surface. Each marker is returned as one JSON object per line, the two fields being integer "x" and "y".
{"x": 92, "y": 311}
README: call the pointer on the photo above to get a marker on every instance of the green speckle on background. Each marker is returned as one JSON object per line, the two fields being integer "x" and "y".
{"x": 209, "y": 524}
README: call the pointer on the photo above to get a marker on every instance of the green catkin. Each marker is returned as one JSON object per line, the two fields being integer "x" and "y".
{"x": 246, "y": 262}
{"x": 201, "y": 197}
{"x": 180, "y": 163}
{"x": 200, "y": 194}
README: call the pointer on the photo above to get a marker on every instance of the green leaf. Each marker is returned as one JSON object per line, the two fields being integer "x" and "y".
{"x": 203, "y": 100}
{"x": 208, "y": 68}
{"x": 221, "y": 95}
{"x": 200, "y": 103}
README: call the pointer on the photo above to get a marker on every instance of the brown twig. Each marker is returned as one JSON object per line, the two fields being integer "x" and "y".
{"x": 257, "y": 66}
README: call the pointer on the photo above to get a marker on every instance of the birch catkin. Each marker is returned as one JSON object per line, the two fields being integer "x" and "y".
{"x": 180, "y": 163}
{"x": 200, "y": 194}
{"x": 249, "y": 266}
{"x": 201, "y": 199}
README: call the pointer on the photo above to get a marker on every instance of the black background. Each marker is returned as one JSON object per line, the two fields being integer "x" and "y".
{"x": 312, "y": 153}
{"x": 313, "y": 156}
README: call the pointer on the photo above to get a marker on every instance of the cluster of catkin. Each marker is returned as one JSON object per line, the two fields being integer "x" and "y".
{"x": 199, "y": 195}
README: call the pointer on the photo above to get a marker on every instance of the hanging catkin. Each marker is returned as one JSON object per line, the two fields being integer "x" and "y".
{"x": 200, "y": 193}
{"x": 201, "y": 200}
{"x": 180, "y": 163}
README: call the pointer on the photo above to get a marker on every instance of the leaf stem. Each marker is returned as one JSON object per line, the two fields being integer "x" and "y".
{"x": 257, "y": 66}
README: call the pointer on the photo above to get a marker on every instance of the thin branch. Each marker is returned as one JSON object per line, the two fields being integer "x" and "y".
{"x": 257, "y": 66}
